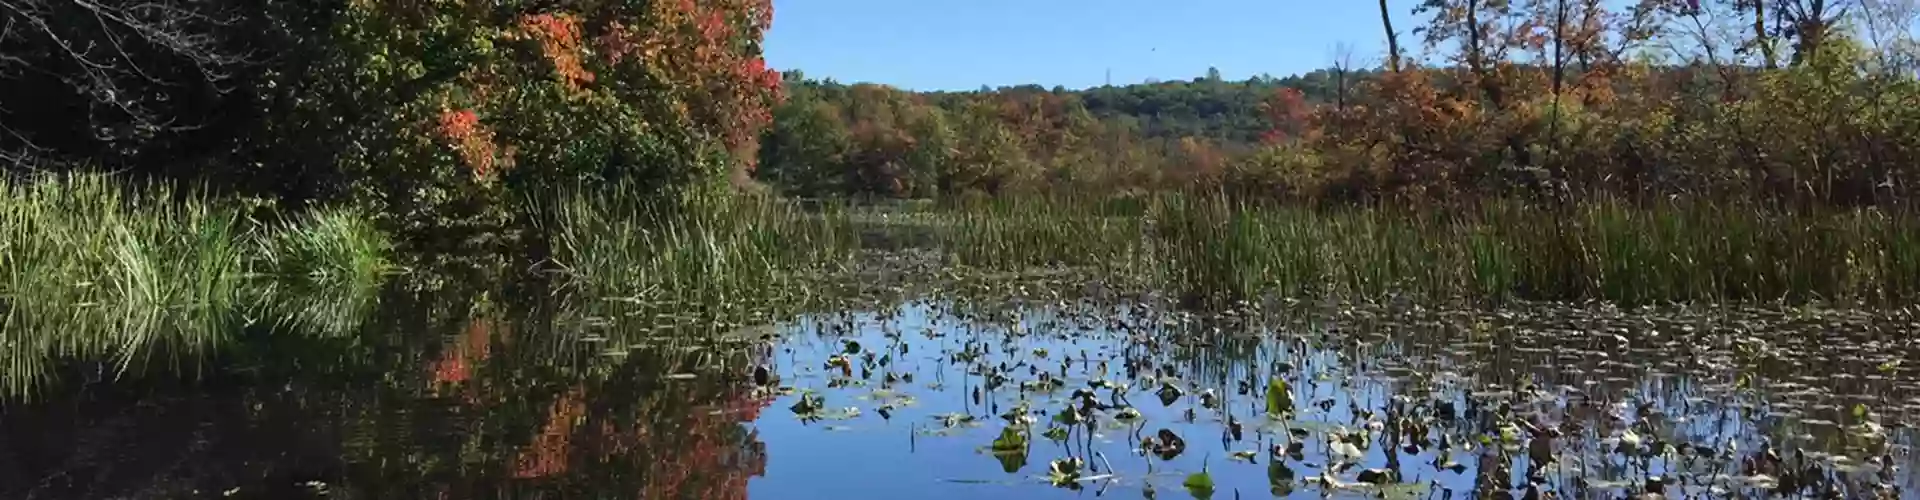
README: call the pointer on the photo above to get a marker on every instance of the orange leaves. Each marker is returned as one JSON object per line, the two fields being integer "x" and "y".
{"x": 548, "y": 453}
{"x": 559, "y": 37}
{"x": 1203, "y": 161}
{"x": 1287, "y": 115}
{"x": 620, "y": 42}
{"x": 472, "y": 140}
{"x": 709, "y": 51}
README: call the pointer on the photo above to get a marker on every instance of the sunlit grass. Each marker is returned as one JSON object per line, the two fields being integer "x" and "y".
{"x": 719, "y": 253}
{"x": 94, "y": 269}
{"x": 1212, "y": 250}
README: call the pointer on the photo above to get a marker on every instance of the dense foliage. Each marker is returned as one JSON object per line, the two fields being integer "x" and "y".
{"x": 1783, "y": 101}
{"x": 432, "y": 114}
{"x": 866, "y": 139}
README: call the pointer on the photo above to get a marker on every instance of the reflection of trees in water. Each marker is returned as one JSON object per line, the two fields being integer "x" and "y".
{"x": 436, "y": 397}
{"x": 638, "y": 433}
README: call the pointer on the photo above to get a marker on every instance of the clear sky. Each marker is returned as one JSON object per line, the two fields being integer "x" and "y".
{"x": 963, "y": 44}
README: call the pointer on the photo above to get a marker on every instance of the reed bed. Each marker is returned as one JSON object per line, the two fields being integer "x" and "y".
{"x": 1213, "y": 250}
{"x": 714, "y": 252}
{"x": 94, "y": 269}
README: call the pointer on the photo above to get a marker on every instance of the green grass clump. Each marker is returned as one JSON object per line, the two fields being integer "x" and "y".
{"x": 723, "y": 253}
{"x": 1041, "y": 232}
{"x": 1212, "y": 250}
{"x": 321, "y": 269}
{"x": 94, "y": 269}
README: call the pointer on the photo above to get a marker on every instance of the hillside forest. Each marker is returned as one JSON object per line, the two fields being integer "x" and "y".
{"x": 1795, "y": 102}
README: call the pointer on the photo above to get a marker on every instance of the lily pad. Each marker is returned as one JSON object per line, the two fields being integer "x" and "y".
{"x": 1168, "y": 394}
{"x": 1055, "y": 433}
{"x": 1200, "y": 484}
{"x": 1065, "y": 471}
{"x": 1279, "y": 478}
{"x": 1067, "y": 416}
{"x": 808, "y": 406}
{"x": 1279, "y": 398}
{"x": 1010, "y": 440}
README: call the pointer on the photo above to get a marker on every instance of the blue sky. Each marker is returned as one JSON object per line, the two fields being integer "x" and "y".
{"x": 963, "y": 44}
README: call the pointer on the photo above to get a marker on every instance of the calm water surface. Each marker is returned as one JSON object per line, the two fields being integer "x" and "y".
{"x": 934, "y": 399}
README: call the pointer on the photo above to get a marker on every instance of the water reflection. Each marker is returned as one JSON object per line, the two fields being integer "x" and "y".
{"x": 438, "y": 396}
{"x": 455, "y": 395}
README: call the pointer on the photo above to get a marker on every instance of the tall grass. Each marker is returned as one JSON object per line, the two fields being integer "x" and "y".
{"x": 322, "y": 270}
{"x": 720, "y": 253}
{"x": 1213, "y": 250}
{"x": 94, "y": 269}
{"x": 1045, "y": 231}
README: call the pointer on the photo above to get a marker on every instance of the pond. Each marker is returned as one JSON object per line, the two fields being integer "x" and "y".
{"x": 1028, "y": 396}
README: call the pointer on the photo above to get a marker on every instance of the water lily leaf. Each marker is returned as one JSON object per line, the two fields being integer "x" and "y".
{"x": 1020, "y": 415}
{"x": 848, "y": 413}
{"x": 1279, "y": 478}
{"x": 950, "y": 420}
{"x": 1406, "y": 491}
{"x": 1011, "y": 461}
{"x": 1065, "y": 471}
{"x": 1166, "y": 444}
{"x": 1168, "y": 393}
{"x": 1010, "y": 440}
{"x": 1055, "y": 433}
{"x": 1067, "y": 417}
{"x": 808, "y": 406}
{"x": 1344, "y": 451}
{"x": 1377, "y": 476}
{"x": 1279, "y": 398}
{"x": 1200, "y": 484}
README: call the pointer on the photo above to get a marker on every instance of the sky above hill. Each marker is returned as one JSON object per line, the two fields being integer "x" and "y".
{"x": 964, "y": 44}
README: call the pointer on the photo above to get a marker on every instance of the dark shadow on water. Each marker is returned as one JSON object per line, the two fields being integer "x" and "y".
{"x": 444, "y": 395}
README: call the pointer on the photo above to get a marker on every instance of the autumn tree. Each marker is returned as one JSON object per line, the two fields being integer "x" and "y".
{"x": 430, "y": 115}
{"x": 804, "y": 152}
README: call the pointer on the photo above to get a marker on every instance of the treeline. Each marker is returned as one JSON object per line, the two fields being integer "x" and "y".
{"x": 1775, "y": 101}
{"x": 864, "y": 139}
{"x": 434, "y": 116}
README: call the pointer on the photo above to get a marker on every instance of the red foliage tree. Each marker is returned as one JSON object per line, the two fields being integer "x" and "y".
{"x": 1287, "y": 115}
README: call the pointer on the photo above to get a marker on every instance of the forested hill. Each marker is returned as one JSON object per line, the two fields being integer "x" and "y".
{"x": 1202, "y": 107}
{"x": 838, "y": 138}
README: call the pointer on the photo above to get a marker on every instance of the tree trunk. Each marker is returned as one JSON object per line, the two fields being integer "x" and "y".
{"x": 1393, "y": 39}
{"x": 1559, "y": 55}
{"x": 1475, "y": 59}
{"x": 1760, "y": 36}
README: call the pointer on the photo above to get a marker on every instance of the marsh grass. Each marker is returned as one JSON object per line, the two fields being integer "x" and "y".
{"x": 1211, "y": 250}
{"x": 94, "y": 269}
{"x": 1042, "y": 232}
{"x": 323, "y": 270}
{"x": 719, "y": 253}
